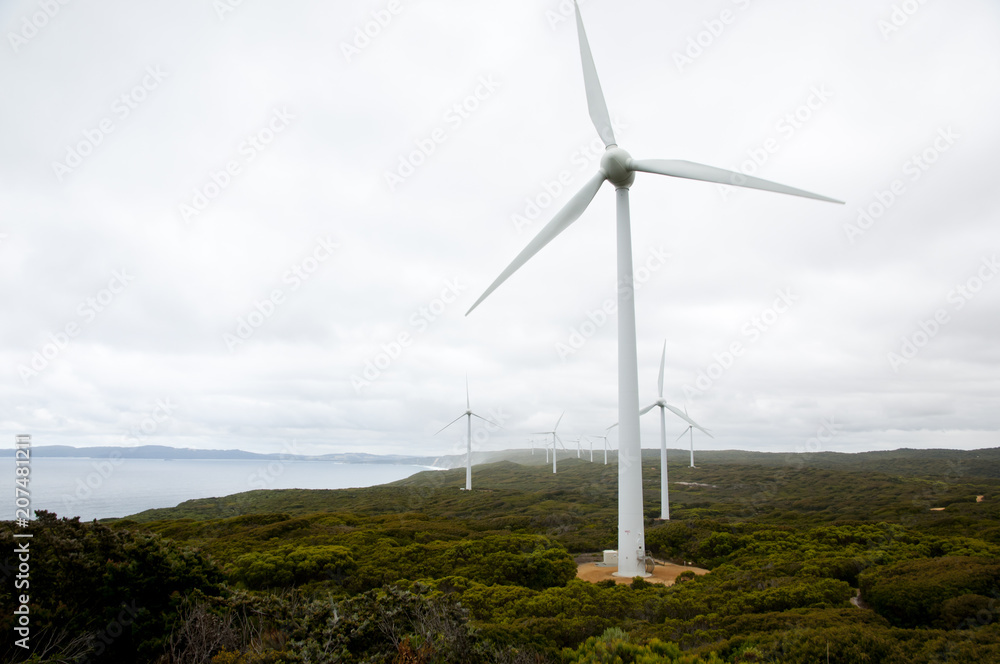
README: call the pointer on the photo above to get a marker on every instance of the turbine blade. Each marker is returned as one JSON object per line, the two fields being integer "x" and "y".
{"x": 487, "y": 420}
{"x": 450, "y": 423}
{"x": 557, "y": 422}
{"x": 689, "y": 170}
{"x": 646, "y": 410}
{"x": 663, "y": 361}
{"x": 681, "y": 414}
{"x": 595, "y": 95}
{"x": 683, "y": 433}
{"x": 611, "y": 427}
{"x": 468, "y": 404}
{"x": 576, "y": 206}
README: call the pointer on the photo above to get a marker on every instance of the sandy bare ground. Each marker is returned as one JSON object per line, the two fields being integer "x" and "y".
{"x": 664, "y": 573}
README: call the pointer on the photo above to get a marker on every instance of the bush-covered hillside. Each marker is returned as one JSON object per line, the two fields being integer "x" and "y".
{"x": 419, "y": 571}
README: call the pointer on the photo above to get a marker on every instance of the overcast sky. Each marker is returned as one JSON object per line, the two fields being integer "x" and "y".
{"x": 253, "y": 225}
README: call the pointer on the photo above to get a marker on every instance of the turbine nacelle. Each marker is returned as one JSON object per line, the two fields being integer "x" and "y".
{"x": 616, "y": 164}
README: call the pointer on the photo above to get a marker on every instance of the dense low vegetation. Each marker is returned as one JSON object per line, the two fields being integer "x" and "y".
{"x": 809, "y": 555}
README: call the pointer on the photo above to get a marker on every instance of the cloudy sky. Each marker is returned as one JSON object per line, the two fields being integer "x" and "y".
{"x": 258, "y": 225}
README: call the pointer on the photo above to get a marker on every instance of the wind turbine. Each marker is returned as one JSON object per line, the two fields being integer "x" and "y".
{"x": 555, "y": 437}
{"x": 619, "y": 168}
{"x": 468, "y": 414}
{"x": 605, "y": 438}
{"x": 691, "y": 430}
{"x": 664, "y": 406}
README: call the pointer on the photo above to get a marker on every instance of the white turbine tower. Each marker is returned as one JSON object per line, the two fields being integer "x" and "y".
{"x": 619, "y": 168}
{"x": 468, "y": 454}
{"x": 664, "y": 406}
{"x": 603, "y": 437}
{"x": 555, "y": 437}
{"x": 691, "y": 430}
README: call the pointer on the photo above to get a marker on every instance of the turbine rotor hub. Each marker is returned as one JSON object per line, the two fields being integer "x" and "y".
{"x": 616, "y": 164}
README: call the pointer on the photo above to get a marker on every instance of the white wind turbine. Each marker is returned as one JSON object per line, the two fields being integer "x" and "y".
{"x": 468, "y": 453}
{"x": 555, "y": 437}
{"x": 603, "y": 437}
{"x": 619, "y": 168}
{"x": 691, "y": 430}
{"x": 664, "y": 406}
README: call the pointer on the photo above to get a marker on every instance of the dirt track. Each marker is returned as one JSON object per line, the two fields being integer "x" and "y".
{"x": 664, "y": 573}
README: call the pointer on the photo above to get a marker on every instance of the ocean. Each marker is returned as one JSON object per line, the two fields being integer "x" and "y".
{"x": 100, "y": 488}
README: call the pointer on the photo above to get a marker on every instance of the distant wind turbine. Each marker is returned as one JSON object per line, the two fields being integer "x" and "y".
{"x": 603, "y": 437}
{"x": 555, "y": 437}
{"x": 662, "y": 404}
{"x": 619, "y": 168}
{"x": 468, "y": 454}
{"x": 690, "y": 430}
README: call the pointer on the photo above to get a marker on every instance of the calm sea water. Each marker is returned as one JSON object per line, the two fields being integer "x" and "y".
{"x": 98, "y": 488}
